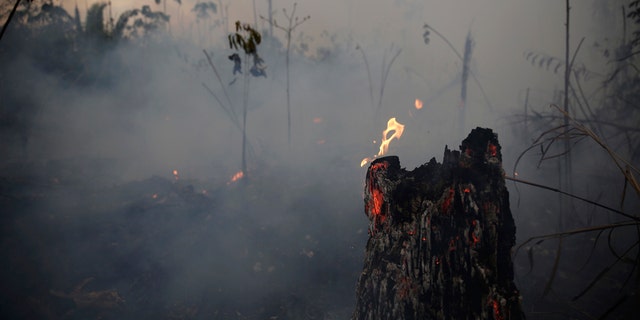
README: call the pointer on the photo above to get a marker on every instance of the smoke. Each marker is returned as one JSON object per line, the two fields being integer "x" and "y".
{"x": 91, "y": 141}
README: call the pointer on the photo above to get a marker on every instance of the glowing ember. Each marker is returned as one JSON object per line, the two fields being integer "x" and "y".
{"x": 392, "y": 125}
{"x": 418, "y": 104}
{"x": 236, "y": 177}
{"x": 377, "y": 199}
{"x": 175, "y": 174}
{"x": 448, "y": 200}
{"x": 373, "y": 206}
{"x": 474, "y": 233}
{"x": 496, "y": 309}
{"x": 493, "y": 150}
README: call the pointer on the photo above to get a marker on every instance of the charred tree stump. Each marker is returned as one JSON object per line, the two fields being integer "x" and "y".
{"x": 440, "y": 238}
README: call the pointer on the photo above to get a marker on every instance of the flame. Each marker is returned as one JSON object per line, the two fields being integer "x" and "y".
{"x": 236, "y": 177}
{"x": 392, "y": 125}
{"x": 175, "y": 174}
{"x": 397, "y": 128}
{"x": 418, "y": 104}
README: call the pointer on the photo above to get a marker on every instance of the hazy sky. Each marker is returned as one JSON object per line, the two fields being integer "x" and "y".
{"x": 503, "y": 32}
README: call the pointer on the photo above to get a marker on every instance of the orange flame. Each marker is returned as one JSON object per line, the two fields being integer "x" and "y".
{"x": 392, "y": 125}
{"x": 418, "y": 104}
{"x": 236, "y": 177}
{"x": 175, "y": 174}
{"x": 397, "y": 128}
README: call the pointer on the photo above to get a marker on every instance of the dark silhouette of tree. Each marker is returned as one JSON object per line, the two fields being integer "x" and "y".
{"x": 6, "y": 24}
{"x": 95, "y": 26}
{"x": 43, "y": 35}
{"x": 55, "y": 43}
{"x": 141, "y": 23}
{"x": 293, "y": 23}
{"x": 579, "y": 124}
{"x": 204, "y": 12}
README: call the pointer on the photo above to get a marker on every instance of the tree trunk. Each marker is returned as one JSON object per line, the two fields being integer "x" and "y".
{"x": 440, "y": 238}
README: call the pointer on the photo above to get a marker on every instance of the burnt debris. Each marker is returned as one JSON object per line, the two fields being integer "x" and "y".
{"x": 440, "y": 238}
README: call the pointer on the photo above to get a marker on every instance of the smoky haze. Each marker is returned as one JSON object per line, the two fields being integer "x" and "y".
{"x": 92, "y": 133}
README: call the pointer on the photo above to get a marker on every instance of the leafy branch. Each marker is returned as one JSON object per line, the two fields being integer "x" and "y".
{"x": 246, "y": 40}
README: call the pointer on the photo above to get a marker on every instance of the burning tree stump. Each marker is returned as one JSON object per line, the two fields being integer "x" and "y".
{"x": 440, "y": 238}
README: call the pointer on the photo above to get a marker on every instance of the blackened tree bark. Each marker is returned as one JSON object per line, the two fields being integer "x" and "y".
{"x": 440, "y": 238}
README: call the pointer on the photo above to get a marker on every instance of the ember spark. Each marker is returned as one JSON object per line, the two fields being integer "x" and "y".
{"x": 418, "y": 104}
{"x": 237, "y": 176}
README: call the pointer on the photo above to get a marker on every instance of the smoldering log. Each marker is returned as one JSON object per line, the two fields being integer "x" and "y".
{"x": 440, "y": 238}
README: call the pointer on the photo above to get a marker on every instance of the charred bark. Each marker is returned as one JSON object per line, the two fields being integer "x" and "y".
{"x": 440, "y": 238}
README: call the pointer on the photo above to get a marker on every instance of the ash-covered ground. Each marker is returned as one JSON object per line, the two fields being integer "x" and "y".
{"x": 82, "y": 247}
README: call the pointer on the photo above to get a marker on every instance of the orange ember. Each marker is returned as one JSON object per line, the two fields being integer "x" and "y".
{"x": 175, "y": 174}
{"x": 447, "y": 201}
{"x": 239, "y": 175}
{"x": 474, "y": 238}
{"x": 374, "y": 205}
{"x": 392, "y": 126}
{"x": 418, "y": 104}
{"x": 377, "y": 200}
{"x": 496, "y": 309}
{"x": 380, "y": 165}
{"x": 493, "y": 150}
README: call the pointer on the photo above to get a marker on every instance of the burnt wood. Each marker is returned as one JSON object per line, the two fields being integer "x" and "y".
{"x": 440, "y": 238}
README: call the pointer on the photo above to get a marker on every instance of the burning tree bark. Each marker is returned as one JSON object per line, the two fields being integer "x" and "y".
{"x": 440, "y": 238}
